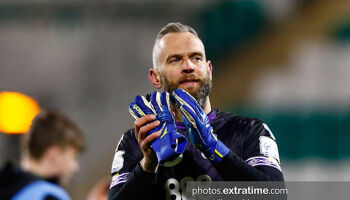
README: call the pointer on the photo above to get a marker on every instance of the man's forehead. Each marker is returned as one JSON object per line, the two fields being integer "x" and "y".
{"x": 180, "y": 43}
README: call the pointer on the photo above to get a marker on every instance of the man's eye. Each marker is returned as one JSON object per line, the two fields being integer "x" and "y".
{"x": 197, "y": 58}
{"x": 174, "y": 60}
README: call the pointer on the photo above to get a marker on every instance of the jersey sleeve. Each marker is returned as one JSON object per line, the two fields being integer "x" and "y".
{"x": 260, "y": 147}
{"x": 125, "y": 159}
{"x": 260, "y": 159}
{"x": 129, "y": 181}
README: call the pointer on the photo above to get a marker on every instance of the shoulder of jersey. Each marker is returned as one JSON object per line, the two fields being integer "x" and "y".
{"x": 234, "y": 118}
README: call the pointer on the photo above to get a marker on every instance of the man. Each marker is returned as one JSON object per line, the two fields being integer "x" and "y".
{"x": 49, "y": 158}
{"x": 222, "y": 146}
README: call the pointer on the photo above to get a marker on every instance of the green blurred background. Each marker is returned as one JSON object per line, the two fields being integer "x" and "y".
{"x": 285, "y": 62}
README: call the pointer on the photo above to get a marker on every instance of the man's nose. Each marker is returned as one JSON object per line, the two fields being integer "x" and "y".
{"x": 187, "y": 66}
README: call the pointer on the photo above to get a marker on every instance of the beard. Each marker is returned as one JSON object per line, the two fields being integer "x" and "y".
{"x": 201, "y": 94}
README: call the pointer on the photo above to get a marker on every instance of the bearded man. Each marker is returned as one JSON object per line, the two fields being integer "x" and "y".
{"x": 204, "y": 143}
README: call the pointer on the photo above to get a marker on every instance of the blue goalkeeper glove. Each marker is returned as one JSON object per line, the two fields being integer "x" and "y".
{"x": 170, "y": 144}
{"x": 198, "y": 125}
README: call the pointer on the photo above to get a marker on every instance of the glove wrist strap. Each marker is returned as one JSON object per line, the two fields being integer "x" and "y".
{"x": 217, "y": 153}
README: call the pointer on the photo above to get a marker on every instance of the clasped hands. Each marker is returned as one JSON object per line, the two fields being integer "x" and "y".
{"x": 157, "y": 135}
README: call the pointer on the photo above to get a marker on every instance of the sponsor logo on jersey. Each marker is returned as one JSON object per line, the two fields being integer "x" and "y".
{"x": 118, "y": 161}
{"x": 268, "y": 148}
{"x": 176, "y": 190}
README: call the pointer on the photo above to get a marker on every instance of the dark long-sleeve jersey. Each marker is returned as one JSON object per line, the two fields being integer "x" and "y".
{"x": 253, "y": 157}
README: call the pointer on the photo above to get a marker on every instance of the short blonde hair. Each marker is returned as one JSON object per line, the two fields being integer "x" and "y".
{"x": 173, "y": 27}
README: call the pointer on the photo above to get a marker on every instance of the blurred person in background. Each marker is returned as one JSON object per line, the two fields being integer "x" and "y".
{"x": 241, "y": 149}
{"x": 49, "y": 159}
{"x": 99, "y": 191}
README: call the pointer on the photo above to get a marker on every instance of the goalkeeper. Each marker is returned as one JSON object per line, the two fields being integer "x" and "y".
{"x": 179, "y": 137}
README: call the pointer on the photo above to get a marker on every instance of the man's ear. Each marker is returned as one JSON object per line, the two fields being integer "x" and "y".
{"x": 210, "y": 68}
{"x": 154, "y": 77}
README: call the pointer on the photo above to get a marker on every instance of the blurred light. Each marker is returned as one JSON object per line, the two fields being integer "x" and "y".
{"x": 16, "y": 112}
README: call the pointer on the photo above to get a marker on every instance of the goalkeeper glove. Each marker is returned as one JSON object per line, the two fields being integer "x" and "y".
{"x": 170, "y": 144}
{"x": 198, "y": 125}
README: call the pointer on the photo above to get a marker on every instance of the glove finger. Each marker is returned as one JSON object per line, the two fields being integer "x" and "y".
{"x": 191, "y": 117}
{"x": 186, "y": 122}
{"x": 155, "y": 101}
{"x": 184, "y": 98}
{"x": 145, "y": 105}
{"x": 135, "y": 110}
{"x": 195, "y": 136}
{"x": 165, "y": 100}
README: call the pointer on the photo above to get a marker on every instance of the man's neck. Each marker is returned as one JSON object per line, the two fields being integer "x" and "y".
{"x": 38, "y": 167}
{"x": 178, "y": 114}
